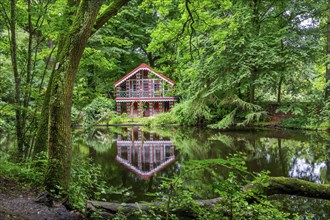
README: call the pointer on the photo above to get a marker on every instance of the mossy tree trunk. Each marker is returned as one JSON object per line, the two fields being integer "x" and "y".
{"x": 327, "y": 74}
{"x": 293, "y": 186}
{"x": 274, "y": 185}
{"x": 59, "y": 141}
{"x": 41, "y": 140}
{"x": 61, "y": 90}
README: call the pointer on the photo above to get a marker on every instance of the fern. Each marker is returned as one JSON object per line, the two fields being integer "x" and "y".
{"x": 241, "y": 104}
{"x": 252, "y": 117}
{"x": 226, "y": 121}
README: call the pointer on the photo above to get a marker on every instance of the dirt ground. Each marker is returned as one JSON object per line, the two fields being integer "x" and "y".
{"x": 18, "y": 202}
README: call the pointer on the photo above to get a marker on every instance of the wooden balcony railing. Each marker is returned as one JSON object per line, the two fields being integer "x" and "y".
{"x": 144, "y": 94}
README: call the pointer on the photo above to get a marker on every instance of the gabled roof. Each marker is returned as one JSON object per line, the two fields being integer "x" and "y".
{"x": 143, "y": 66}
{"x": 145, "y": 174}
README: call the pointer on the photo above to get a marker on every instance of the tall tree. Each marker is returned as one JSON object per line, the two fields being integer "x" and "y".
{"x": 18, "y": 111}
{"x": 327, "y": 74}
{"x": 25, "y": 21}
{"x": 85, "y": 22}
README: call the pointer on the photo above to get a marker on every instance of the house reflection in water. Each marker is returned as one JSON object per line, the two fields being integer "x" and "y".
{"x": 144, "y": 153}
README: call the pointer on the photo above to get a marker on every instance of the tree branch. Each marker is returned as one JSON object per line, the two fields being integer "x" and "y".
{"x": 110, "y": 12}
{"x": 5, "y": 16}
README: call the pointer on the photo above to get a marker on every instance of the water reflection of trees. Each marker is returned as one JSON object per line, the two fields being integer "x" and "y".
{"x": 297, "y": 154}
{"x": 303, "y": 155}
{"x": 97, "y": 140}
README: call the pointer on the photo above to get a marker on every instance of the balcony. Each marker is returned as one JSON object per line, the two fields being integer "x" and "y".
{"x": 144, "y": 94}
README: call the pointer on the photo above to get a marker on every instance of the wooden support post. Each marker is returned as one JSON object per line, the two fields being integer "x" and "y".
{"x": 140, "y": 157}
{"x": 162, "y": 155}
{"x": 118, "y": 108}
{"x": 117, "y": 91}
{"x": 139, "y": 134}
{"x": 150, "y": 89}
{"x": 138, "y": 86}
{"x": 128, "y": 89}
{"x": 129, "y": 154}
{"x": 129, "y": 135}
{"x": 139, "y": 109}
{"x": 150, "y": 108}
{"x": 128, "y": 108}
{"x": 151, "y": 156}
{"x": 161, "y": 110}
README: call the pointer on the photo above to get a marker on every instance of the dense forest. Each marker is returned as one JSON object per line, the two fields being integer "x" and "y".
{"x": 236, "y": 63}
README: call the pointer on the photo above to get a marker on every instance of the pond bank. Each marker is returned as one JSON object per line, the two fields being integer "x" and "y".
{"x": 18, "y": 202}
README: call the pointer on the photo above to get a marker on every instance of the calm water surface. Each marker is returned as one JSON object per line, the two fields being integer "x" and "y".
{"x": 135, "y": 158}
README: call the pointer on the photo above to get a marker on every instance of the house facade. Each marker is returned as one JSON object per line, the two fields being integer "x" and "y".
{"x": 143, "y": 92}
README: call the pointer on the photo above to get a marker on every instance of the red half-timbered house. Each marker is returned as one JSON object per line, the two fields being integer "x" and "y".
{"x": 144, "y": 92}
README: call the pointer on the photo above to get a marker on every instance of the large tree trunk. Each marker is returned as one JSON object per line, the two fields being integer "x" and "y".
{"x": 292, "y": 186}
{"x": 59, "y": 141}
{"x": 327, "y": 74}
{"x": 59, "y": 125}
{"x": 41, "y": 141}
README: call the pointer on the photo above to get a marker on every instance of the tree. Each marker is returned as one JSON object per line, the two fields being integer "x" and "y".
{"x": 327, "y": 75}
{"x": 113, "y": 51}
{"x": 13, "y": 43}
{"x": 253, "y": 50}
{"x": 28, "y": 45}
{"x": 71, "y": 47}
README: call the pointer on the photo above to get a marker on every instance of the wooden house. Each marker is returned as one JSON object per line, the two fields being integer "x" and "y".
{"x": 143, "y": 92}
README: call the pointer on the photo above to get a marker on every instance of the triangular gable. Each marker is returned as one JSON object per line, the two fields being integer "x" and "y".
{"x": 145, "y": 174}
{"x": 143, "y": 66}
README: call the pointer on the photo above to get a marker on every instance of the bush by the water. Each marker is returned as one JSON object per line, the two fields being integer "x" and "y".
{"x": 98, "y": 111}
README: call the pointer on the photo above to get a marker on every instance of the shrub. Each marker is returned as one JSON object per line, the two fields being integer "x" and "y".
{"x": 31, "y": 172}
{"x": 164, "y": 119}
{"x": 98, "y": 111}
{"x": 190, "y": 113}
{"x": 181, "y": 191}
{"x": 88, "y": 182}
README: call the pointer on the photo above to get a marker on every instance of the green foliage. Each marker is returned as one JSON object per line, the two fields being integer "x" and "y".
{"x": 308, "y": 116}
{"x": 244, "y": 113}
{"x": 180, "y": 193}
{"x": 166, "y": 118}
{"x": 98, "y": 111}
{"x": 292, "y": 108}
{"x": 88, "y": 182}
{"x": 31, "y": 172}
{"x": 191, "y": 113}
{"x": 249, "y": 51}
{"x": 7, "y": 116}
{"x": 75, "y": 116}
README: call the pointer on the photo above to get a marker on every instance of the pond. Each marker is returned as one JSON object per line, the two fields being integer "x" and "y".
{"x": 138, "y": 158}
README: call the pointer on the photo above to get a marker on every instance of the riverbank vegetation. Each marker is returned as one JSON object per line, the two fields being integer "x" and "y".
{"x": 235, "y": 64}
